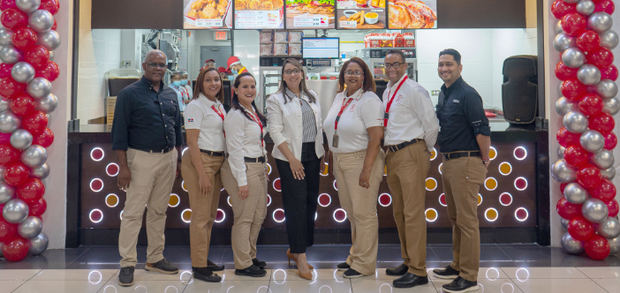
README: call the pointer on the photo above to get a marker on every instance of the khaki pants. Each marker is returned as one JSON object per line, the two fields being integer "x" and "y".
{"x": 204, "y": 207}
{"x": 361, "y": 207}
{"x": 461, "y": 179}
{"x": 152, "y": 177}
{"x": 407, "y": 171}
{"x": 249, "y": 213}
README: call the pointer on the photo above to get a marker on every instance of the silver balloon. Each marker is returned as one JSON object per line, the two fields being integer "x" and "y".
{"x": 39, "y": 87}
{"x": 9, "y": 54}
{"x": 50, "y": 40}
{"x": 571, "y": 1}
{"x": 34, "y": 156}
{"x": 573, "y": 57}
{"x": 603, "y": 159}
{"x": 28, "y": 6}
{"x": 6, "y": 37}
{"x": 611, "y": 106}
{"x": 22, "y": 72}
{"x": 571, "y": 245}
{"x": 41, "y": 172}
{"x": 21, "y": 139}
{"x": 563, "y": 41}
{"x": 594, "y": 210}
{"x": 614, "y": 246}
{"x": 30, "y": 227}
{"x": 609, "y": 228}
{"x": 561, "y": 151}
{"x": 561, "y": 172}
{"x": 609, "y": 39}
{"x": 48, "y": 103}
{"x": 41, "y": 20}
{"x": 558, "y": 27}
{"x": 589, "y": 74}
{"x": 574, "y": 193}
{"x": 609, "y": 173}
{"x": 8, "y": 122}
{"x": 585, "y": 7}
{"x": 4, "y": 104}
{"x": 600, "y": 22}
{"x": 564, "y": 223}
{"x": 6, "y": 192}
{"x": 38, "y": 244}
{"x": 592, "y": 141}
{"x": 2, "y": 170}
{"x": 563, "y": 106}
{"x": 576, "y": 122}
{"x": 15, "y": 211}
{"x": 607, "y": 89}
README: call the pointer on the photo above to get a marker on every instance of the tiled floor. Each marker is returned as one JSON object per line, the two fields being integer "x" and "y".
{"x": 505, "y": 268}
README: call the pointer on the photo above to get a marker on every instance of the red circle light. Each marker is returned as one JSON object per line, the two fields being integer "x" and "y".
{"x": 278, "y": 215}
{"x": 112, "y": 169}
{"x": 96, "y": 185}
{"x": 325, "y": 200}
{"x": 277, "y": 185}
{"x": 340, "y": 215}
{"x": 520, "y": 183}
{"x": 96, "y": 154}
{"x": 385, "y": 200}
{"x": 505, "y": 199}
{"x": 95, "y": 216}
{"x": 220, "y": 216}
{"x": 442, "y": 200}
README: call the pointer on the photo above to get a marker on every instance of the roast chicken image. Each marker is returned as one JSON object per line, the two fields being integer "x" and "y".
{"x": 408, "y": 14}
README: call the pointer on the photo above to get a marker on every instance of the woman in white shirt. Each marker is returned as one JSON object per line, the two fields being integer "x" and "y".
{"x": 354, "y": 129}
{"x": 200, "y": 167}
{"x": 295, "y": 126}
{"x": 244, "y": 176}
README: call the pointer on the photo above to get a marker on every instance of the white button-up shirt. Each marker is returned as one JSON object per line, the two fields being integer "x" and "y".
{"x": 243, "y": 139}
{"x": 199, "y": 115}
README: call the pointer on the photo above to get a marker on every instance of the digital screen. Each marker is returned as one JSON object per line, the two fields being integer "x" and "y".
{"x": 317, "y": 48}
{"x": 412, "y": 14}
{"x": 361, "y": 14}
{"x": 259, "y": 14}
{"x": 207, "y": 14}
{"x": 310, "y": 14}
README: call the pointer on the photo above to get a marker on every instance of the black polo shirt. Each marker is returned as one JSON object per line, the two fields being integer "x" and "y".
{"x": 461, "y": 118}
{"x": 145, "y": 119}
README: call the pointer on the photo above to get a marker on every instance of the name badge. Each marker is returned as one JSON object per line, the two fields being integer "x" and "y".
{"x": 335, "y": 140}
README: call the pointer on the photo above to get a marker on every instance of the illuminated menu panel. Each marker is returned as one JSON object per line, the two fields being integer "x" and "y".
{"x": 412, "y": 14}
{"x": 206, "y": 14}
{"x": 259, "y": 14}
{"x": 361, "y": 14}
{"x": 310, "y": 14}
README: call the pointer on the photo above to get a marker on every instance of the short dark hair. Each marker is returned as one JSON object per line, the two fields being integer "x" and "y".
{"x": 369, "y": 81}
{"x": 396, "y": 52}
{"x": 454, "y": 53}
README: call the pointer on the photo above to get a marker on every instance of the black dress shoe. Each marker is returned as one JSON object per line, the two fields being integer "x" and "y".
{"x": 259, "y": 263}
{"x": 397, "y": 271}
{"x": 125, "y": 276}
{"x": 447, "y": 273}
{"x": 352, "y": 274}
{"x": 409, "y": 280}
{"x": 206, "y": 275}
{"x": 343, "y": 266}
{"x": 251, "y": 271}
{"x": 460, "y": 285}
{"x": 214, "y": 267}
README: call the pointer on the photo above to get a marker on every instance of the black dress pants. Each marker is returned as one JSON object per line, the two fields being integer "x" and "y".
{"x": 300, "y": 199}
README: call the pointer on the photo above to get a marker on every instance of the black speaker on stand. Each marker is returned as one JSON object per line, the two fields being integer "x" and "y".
{"x": 520, "y": 92}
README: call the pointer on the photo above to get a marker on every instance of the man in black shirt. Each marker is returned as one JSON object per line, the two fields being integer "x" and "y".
{"x": 464, "y": 141}
{"x": 146, "y": 135}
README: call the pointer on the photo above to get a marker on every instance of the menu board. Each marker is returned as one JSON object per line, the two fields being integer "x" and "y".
{"x": 259, "y": 14}
{"x": 412, "y": 14}
{"x": 361, "y": 14}
{"x": 310, "y": 14}
{"x": 205, "y": 14}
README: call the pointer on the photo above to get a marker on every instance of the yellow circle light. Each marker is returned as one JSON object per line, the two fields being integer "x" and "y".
{"x": 431, "y": 184}
{"x": 505, "y": 168}
{"x": 431, "y": 215}
{"x": 490, "y": 183}
{"x": 479, "y": 199}
{"x": 186, "y": 215}
{"x": 491, "y": 214}
{"x": 433, "y": 154}
{"x": 492, "y": 153}
{"x": 174, "y": 200}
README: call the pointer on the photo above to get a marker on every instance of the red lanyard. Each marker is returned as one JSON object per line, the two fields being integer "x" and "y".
{"x": 389, "y": 104}
{"x": 221, "y": 114}
{"x": 260, "y": 124}
{"x": 344, "y": 106}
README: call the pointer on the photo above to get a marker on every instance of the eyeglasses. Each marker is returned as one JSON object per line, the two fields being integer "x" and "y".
{"x": 393, "y": 65}
{"x": 354, "y": 73}
{"x": 160, "y": 65}
{"x": 292, "y": 71}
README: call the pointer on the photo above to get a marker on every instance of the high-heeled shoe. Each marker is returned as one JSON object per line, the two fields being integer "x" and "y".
{"x": 306, "y": 275}
{"x": 292, "y": 257}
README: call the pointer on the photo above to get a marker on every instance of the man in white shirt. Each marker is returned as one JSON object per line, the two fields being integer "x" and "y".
{"x": 411, "y": 129}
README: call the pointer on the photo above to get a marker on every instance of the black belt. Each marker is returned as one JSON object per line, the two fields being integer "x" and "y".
{"x": 454, "y": 155}
{"x": 212, "y": 153}
{"x": 254, "y": 160}
{"x": 395, "y": 148}
{"x": 161, "y": 151}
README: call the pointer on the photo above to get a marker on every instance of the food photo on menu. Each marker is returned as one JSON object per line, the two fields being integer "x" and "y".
{"x": 412, "y": 14}
{"x": 361, "y": 14}
{"x": 310, "y": 14}
{"x": 259, "y": 14}
{"x": 203, "y": 14}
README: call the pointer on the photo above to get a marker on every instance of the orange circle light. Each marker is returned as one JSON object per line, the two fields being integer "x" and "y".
{"x": 173, "y": 201}
{"x": 433, "y": 154}
{"x": 431, "y": 184}
{"x": 186, "y": 215}
{"x": 505, "y": 168}
{"x": 111, "y": 200}
{"x": 184, "y": 186}
{"x": 491, "y": 214}
{"x": 431, "y": 215}
{"x": 492, "y": 153}
{"x": 479, "y": 199}
{"x": 490, "y": 183}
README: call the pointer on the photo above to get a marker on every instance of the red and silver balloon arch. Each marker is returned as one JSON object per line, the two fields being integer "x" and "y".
{"x": 27, "y": 71}
{"x": 585, "y": 162}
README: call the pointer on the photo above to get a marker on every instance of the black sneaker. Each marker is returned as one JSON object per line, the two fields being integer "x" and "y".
{"x": 460, "y": 285}
{"x": 352, "y": 274}
{"x": 206, "y": 275}
{"x": 214, "y": 267}
{"x": 343, "y": 266}
{"x": 125, "y": 276}
{"x": 259, "y": 263}
{"x": 409, "y": 280}
{"x": 251, "y": 271}
{"x": 447, "y": 273}
{"x": 162, "y": 266}
{"x": 397, "y": 271}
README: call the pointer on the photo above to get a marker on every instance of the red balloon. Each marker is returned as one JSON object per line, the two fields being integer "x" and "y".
{"x": 597, "y": 247}
{"x": 574, "y": 24}
{"x": 8, "y": 87}
{"x": 590, "y": 104}
{"x": 567, "y": 138}
{"x": 559, "y": 8}
{"x": 610, "y": 141}
{"x": 601, "y": 122}
{"x": 576, "y": 156}
{"x": 588, "y": 41}
{"x": 35, "y": 123}
{"x": 605, "y": 6}
{"x": 572, "y": 89}
{"x": 8, "y": 231}
{"x": 16, "y": 174}
{"x": 13, "y": 18}
{"x": 49, "y": 72}
{"x": 38, "y": 57}
{"x": 6, "y": 4}
{"x": 5, "y": 70}
{"x": 5, "y": 138}
{"x": 16, "y": 250}
{"x": 50, "y": 5}
{"x": 568, "y": 210}
{"x": 45, "y": 139}
{"x": 37, "y": 208}
{"x": 580, "y": 229}
{"x": 601, "y": 57}
{"x": 8, "y": 154}
{"x": 613, "y": 208}
{"x": 589, "y": 177}
{"x": 24, "y": 38}
{"x": 55, "y": 26}
{"x": 563, "y": 72}
{"x": 31, "y": 191}
{"x": 609, "y": 72}
{"x": 23, "y": 105}
{"x": 606, "y": 191}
